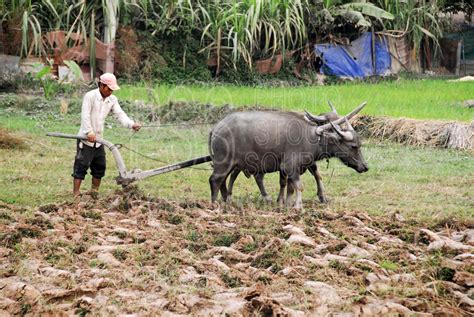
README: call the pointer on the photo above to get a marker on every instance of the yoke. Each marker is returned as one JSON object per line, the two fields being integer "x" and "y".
{"x": 127, "y": 177}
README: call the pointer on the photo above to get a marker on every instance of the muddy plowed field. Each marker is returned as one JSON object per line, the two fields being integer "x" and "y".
{"x": 131, "y": 254}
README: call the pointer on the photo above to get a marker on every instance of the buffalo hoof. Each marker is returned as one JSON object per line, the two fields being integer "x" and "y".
{"x": 215, "y": 206}
{"x": 281, "y": 201}
{"x": 298, "y": 206}
{"x": 323, "y": 199}
{"x": 267, "y": 199}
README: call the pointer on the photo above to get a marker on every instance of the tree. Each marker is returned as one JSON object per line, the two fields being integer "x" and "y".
{"x": 453, "y": 6}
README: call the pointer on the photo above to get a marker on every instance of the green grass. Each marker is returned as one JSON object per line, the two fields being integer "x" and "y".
{"x": 388, "y": 265}
{"x": 418, "y": 99}
{"x": 418, "y": 182}
{"x": 421, "y": 182}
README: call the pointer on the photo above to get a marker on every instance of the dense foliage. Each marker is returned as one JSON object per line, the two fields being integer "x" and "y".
{"x": 223, "y": 33}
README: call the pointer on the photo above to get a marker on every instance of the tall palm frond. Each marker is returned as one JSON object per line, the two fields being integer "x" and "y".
{"x": 417, "y": 19}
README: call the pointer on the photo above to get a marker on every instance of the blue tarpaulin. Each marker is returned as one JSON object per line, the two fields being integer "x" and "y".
{"x": 355, "y": 60}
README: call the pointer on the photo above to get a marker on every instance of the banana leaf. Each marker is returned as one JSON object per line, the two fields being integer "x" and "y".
{"x": 368, "y": 9}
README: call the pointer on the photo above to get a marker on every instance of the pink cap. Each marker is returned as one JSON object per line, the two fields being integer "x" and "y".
{"x": 110, "y": 80}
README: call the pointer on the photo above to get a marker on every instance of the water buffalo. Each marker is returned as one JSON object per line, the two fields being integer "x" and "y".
{"x": 321, "y": 119}
{"x": 263, "y": 142}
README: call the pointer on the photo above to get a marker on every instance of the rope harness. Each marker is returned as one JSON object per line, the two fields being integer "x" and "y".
{"x": 122, "y": 145}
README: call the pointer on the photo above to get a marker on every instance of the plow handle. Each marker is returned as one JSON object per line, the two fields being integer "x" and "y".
{"x": 67, "y": 136}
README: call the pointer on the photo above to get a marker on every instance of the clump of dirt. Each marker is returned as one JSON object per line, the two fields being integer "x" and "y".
{"x": 11, "y": 141}
{"x": 131, "y": 254}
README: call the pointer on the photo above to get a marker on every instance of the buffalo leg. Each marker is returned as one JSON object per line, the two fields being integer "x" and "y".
{"x": 295, "y": 185}
{"x": 320, "y": 187}
{"x": 232, "y": 179}
{"x": 290, "y": 191}
{"x": 224, "y": 192}
{"x": 298, "y": 184}
{"x": 261, "y": 186}
{"x": 223, "y": 189}
{"x": 217, "y": 181}
{"x": 281, "y": 196}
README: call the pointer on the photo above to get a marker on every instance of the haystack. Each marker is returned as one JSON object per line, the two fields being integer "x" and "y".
{"x": 446, "y": 134}
{"x": 10, "y": 141}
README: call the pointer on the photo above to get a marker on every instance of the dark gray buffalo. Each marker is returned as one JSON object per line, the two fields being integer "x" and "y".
{"x": 264, "y": 142}
{"x": 321, "y": 119}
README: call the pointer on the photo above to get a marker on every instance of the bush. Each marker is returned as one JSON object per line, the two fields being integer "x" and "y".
{"x": 8, "y": 101}
{"x": 145, "y": 57}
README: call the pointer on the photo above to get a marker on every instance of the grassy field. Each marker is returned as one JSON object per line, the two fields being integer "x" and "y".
{"x": 419, "y": 182}
{"x": 421, "y": 99}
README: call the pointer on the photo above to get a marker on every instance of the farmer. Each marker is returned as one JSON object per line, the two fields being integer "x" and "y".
{"x": 97, "y": 104}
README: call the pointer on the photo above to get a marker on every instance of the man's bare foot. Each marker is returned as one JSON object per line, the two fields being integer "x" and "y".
{"x": 77, "y": 197}
{"x": 94, "y": 194}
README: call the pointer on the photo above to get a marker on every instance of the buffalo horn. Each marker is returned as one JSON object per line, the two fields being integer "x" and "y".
{"x": 349, "y": 126}
{"x": 349, "y": 116}
{"x": 316, "y": 119}
{"x": 332, "y": 107}
{"x": 346, "y": 135}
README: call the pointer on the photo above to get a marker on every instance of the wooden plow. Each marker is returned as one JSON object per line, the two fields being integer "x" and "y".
{"x": 126, "y": 177}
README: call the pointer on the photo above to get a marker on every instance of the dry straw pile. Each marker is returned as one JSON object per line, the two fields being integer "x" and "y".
{"x": 446, "y": 134}
{"x": 9, "y": 141}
